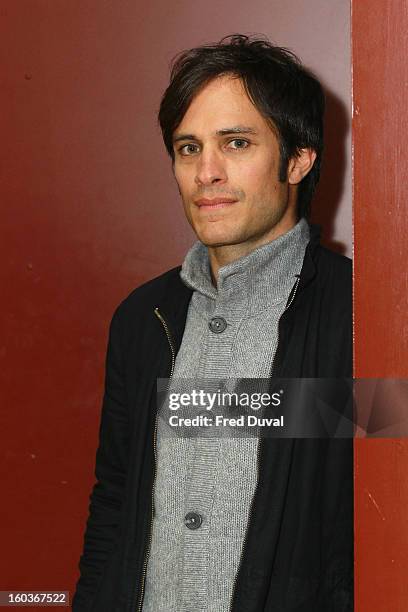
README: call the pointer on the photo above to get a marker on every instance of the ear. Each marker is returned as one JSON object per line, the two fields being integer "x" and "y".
{"x": 300, "y": 165}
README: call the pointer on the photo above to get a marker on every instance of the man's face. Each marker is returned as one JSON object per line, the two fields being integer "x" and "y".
{"x": 226, "y": 165}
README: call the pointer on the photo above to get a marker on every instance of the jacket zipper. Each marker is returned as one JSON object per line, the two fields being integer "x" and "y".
{"x": 289, "y": 303}
{"x": 173, "y": 360}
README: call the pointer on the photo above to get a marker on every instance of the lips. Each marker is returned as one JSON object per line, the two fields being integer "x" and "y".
{"x": 211, "y": 204}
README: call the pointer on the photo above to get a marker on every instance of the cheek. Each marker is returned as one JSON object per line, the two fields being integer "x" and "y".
{"x": 258, "y": 180}
{"x": 259, "y": 168}
{"x": 184, "y": 180}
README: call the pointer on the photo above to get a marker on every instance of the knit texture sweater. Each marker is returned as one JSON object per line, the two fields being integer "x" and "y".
{"x": 215, "y": 477}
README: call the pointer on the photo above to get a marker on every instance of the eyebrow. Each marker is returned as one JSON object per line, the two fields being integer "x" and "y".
{"x": 239, "y": 129}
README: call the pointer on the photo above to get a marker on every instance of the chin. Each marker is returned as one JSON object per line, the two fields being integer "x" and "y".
{"x": 217, "y": 239}
{"x": 220, "y": 232}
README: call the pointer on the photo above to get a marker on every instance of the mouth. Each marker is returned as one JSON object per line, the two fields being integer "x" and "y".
{"x": 214, "y": 203}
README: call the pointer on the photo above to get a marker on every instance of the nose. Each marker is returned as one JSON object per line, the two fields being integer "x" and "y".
{"x": 210, "y": 169}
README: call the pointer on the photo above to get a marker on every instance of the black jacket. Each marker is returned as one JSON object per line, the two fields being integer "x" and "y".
{"x": 298, "y": 553}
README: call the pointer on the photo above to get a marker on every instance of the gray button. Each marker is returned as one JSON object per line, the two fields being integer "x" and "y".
{"x": 217, "y": 325}
{"x": 193, "y": 520}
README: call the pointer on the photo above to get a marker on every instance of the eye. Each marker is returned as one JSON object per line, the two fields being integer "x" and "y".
{"x": 239, "y": 143}
{"x": 188, "y": 149}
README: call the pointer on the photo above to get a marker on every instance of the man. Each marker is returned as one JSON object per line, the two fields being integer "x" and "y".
{"x": 244, "y": 525}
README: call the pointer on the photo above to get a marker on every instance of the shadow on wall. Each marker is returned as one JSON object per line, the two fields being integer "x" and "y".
{"x": 330, "y": 189}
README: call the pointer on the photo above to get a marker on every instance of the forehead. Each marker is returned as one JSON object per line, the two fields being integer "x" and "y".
{"x": 221, "y": 102}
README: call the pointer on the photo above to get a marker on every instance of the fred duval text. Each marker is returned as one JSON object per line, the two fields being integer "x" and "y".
{"x": 203, "y": 420}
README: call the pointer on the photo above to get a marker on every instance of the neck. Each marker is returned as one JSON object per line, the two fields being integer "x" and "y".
{"x": 220, "y": 256}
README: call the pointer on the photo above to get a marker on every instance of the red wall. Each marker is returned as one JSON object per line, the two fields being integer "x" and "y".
{"x": 89, "y": 211}
{"x": 380, "y": 133}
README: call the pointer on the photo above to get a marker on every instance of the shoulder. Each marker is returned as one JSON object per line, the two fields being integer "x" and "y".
{"x": 333, "y": 266}
{"x": 329, "y": 265}
{"x": 154, "y": 288}
{"x": 150, "y": 293}
{"x": 329, "y": 258}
